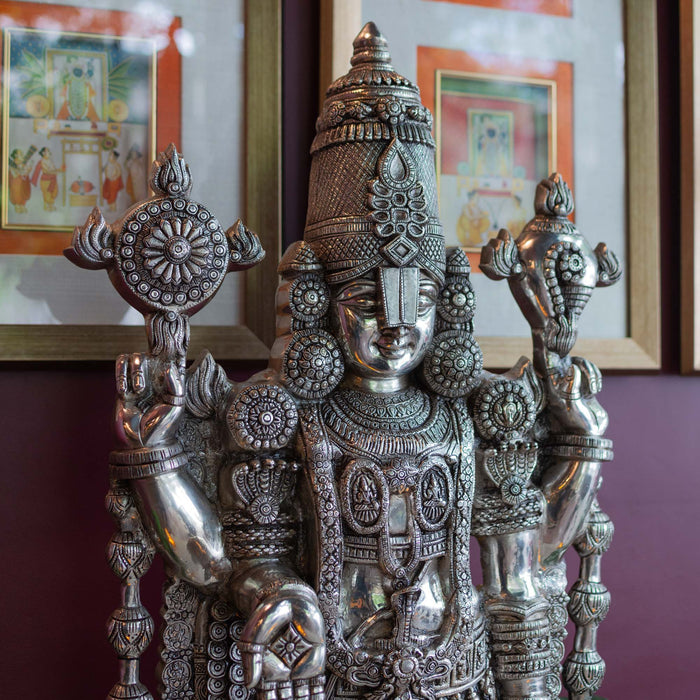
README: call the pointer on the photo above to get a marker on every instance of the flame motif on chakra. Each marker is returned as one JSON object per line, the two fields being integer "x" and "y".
{"x": 176, "y": 250}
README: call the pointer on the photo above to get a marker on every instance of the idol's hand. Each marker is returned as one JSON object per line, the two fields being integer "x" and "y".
{"x": 150, "y": 401}
{"x": 284, "y": 641}
{"x": 571, "y": 387}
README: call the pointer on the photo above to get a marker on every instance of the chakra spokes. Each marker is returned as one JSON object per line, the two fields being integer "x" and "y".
{"x": 168, "y": 255}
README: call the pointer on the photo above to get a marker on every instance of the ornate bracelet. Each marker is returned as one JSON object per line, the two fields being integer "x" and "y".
{"x": 245, "y": 538}
{"x": 492, "y": 516}
{"x": 146, "y": 461}
{"x": 288, "y": 584}
{"x": 583, "y": 447}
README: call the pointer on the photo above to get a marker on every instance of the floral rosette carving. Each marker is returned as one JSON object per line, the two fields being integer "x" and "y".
{"x": 312, "y": 365}
{"x": 457, "y": 302}
{"x": 390, "y": 110}
{"x": 453, "y": 364}
{"x": 172, "y": 253}
{"x": 262, "y": 417}
{"x": 309, "y": 298}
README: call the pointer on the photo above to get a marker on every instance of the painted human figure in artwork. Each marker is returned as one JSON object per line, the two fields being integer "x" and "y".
{"x": 316, "y": 518}
{"x": 113, "y": 182}
{"x": 77, "y": 91}
{"x": 20, "y": 187}
{"x": 45, "y": 176}
{"x": 136, "y": 174}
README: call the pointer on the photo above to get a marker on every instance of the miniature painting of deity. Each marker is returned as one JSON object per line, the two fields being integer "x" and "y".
{"x": 495, "y": 145}
{"x": 502, "y": 124}
{"x": 79, "y": 112}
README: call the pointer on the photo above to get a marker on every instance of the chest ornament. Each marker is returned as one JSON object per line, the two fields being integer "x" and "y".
{"x": 364, "y": 496}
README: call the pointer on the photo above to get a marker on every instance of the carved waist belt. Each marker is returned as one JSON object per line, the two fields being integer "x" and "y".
{"x": 360, "y": 550}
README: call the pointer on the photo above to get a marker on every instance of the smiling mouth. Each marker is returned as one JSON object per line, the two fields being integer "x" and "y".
{"x": 394, "y": 348}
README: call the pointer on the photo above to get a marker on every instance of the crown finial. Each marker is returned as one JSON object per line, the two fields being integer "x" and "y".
{"x": 370, "y": 46}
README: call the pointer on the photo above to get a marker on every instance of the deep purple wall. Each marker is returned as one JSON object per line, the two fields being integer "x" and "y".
{"x": 57, "y": 590}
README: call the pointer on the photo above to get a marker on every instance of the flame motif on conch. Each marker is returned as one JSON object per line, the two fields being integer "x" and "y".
{"x": 170, "y": 174}
{"x": 500, "y": 258}
{"x": 207, "y": 386}
{"x": 553, "y": 197}
{"x": 92, "y": 244}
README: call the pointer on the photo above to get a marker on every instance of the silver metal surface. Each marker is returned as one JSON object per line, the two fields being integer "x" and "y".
{"x": 316, "y": 519}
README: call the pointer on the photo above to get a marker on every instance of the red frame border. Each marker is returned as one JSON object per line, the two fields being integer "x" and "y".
{"x": 559, "y": 8}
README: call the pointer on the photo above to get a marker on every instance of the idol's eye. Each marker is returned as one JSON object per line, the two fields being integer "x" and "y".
{"x": 361, "y": 302}
{"x": 360, "y": 296}
{"x": 428, "y": 297}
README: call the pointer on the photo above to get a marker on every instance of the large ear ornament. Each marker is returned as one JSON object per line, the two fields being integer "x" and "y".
{"x": 609, "y": 267}
{"x": 312, "y": 364}
{"x": 453, "y": 363}
{"x": 500, "y": 258}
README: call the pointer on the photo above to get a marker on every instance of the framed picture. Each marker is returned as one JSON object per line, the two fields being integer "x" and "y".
{"x": 690, "y": 174}
{"x": 501, "y": 125}
{"x": 518, "y": 89}
{"x": 79, "y": 114}
{"x": 89, "y": 96}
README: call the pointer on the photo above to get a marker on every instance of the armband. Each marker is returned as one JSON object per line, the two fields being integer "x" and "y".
{"x": 583, "y": 447}
{"x": 146, "y": 461}
{"x": 244, "y": 538}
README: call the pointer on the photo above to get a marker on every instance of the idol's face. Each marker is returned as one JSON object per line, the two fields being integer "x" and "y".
{"x": 373, "y": 349}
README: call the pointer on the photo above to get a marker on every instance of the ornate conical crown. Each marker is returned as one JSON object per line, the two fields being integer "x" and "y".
{"x": 372, "y": 192}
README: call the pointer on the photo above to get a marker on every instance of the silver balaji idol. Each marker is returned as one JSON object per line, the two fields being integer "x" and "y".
{"x": 316, "y": 519}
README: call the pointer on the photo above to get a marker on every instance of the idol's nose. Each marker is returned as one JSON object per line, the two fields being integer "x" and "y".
{"x": 394, "y": 336}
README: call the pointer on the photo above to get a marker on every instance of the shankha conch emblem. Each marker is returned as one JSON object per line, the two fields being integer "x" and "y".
{"x": 167, "y": 256}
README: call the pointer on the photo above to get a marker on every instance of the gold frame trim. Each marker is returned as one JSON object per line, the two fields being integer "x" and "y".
{"x": 641, "y": 348}
{"x": 263, "y": 208}
{"x": 690, "y": 185}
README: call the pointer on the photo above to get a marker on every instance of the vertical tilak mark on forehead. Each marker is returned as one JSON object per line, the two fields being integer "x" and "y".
{"x": 400, "y": 287}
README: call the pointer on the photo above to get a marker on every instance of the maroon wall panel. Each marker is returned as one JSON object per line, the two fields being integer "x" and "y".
{"x": 57, "y": 589}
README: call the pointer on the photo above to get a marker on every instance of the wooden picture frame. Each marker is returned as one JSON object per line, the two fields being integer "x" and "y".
{"x": 262, "y": 213}
{"x": 690, "y": 185}
{"x": 641, "y": 347}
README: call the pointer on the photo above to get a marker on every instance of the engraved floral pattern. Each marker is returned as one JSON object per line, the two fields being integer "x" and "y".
{"x": 400, "y": 212}
{"x": 571, "y": 266}
{"x": 390, "y": 110}
{"x": 176, "y": 250}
